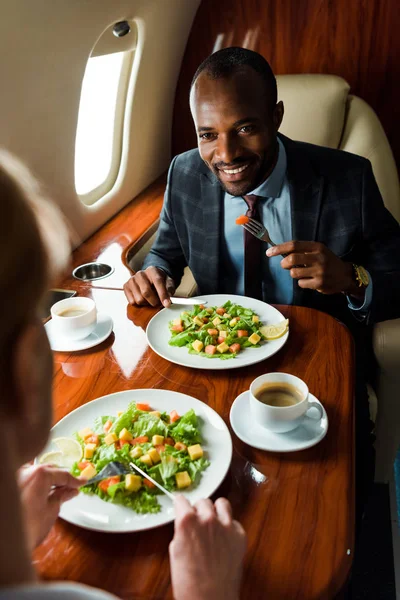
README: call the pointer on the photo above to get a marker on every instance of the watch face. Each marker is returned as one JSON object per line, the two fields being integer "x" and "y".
{"x": 363, "y": 275}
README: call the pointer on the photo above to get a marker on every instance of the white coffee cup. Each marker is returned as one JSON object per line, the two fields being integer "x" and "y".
{"x": 74, "y": 318}
{"x": 281, "y": 418}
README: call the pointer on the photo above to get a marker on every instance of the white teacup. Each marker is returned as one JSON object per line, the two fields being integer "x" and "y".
{"x": 281, "y": 418}
{"x": 74, "y": 318}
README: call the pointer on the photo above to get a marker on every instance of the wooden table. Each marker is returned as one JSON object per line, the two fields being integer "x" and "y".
{"x": 297, "y": 508}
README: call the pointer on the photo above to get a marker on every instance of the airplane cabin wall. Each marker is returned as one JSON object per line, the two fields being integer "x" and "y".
{"x": 44, "y": 47}
{"x": 357, "y": 40}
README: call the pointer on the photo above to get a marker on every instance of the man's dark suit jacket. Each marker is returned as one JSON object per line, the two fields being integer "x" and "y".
{"x": 334, "y": 200}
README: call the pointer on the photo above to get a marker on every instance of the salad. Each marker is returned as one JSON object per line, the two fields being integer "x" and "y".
{"x": 217, "y": 331}
{"x": 166, "y": 446}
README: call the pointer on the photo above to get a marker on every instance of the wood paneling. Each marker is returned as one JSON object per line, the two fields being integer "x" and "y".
{"x": 297, "y": 508}
{"x": 356, "y": 39}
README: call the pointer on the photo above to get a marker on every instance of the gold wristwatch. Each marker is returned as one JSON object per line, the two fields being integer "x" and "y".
{"x": 361, "y": 276}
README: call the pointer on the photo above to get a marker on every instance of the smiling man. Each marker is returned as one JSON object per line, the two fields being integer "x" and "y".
{"x": 337, "y": 249}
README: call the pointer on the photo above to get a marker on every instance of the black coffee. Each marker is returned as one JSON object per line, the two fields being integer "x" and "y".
{"x": 279, "y": 394}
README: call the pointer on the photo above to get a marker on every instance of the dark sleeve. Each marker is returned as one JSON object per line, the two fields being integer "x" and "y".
{"x": 166, "y": 252}
{"x": 381, "y": 248}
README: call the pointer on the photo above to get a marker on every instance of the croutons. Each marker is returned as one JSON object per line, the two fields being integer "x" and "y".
{"x": 233, "y": 321}
{"x": 197, "y": 345}
{"x": 156, "y": 440}
{"x": 154, "y": 456}
{"x": 222, "y": 347}
{"x": 136, "y": 452}
{"x": 133, "y": 483}
{"x": 254, "y": 338}
{"x": 146, "y": 459}
{"x": 182, "y": 480}
{"x": 198, "y": 321}
{"x": 89, "y": 450}
{"x": 255, "y": 319}
{"x": 89, "y": 472}
{"x": 195, "y": 451}
{"x": 223, "y": 333}
{"x": 124, "y": 434}
{"x": 110, "y": 439}
{"x": 156, "y": 413}
{"x": 216, "y": 321}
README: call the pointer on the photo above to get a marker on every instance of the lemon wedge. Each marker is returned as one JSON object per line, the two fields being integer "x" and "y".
{"x": 273, "y": 332}
{"x": 54, "y": 458}
{"x": 70, "y": 449}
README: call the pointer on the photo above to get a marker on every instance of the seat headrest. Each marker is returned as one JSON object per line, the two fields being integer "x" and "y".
{"x": 315, "y": 107}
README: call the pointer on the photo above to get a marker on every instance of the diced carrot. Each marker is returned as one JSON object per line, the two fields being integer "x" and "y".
{"x": 169, "y": 441}
{"x": 180, "y": 446}
{"x": 142, "y": 406}
{"x": 148, "y": 483}
{"x": 107, "y": 426}
{"x": 82, "y": 465}
{"x": 92, "y": 439}
{"x": 234, "y": 348}
{"x": 221, "y": 340}
{"x": 210, "y": 349}
{"x": 202, "y": 306}
{"x": 212, "y": 331}
{"x": 106, "y": 483}
{"x": 178, "y": 328}
{"x": 174, "y": 416}
{"x": 121, "y": 443}
{"x": 206, "y": 319}
{"x": 160, "y": 448}
{"x": 142, "y": 439}
{"x": 242, "y": 220}
{"x": 220, "y": 311}
{"x": 242, "y": 333}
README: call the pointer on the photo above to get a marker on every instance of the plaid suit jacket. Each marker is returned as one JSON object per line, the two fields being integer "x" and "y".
{"x": 334, "y": 200}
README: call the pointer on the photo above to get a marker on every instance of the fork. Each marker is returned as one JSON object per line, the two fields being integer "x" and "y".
{"x": 117, "y": 468}
{"x": 259, "y": 231}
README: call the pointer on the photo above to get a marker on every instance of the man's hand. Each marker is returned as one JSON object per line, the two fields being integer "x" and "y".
{"x": 207, "y": 551}
{"x": 150, "y": 286}
{"x": 43, "y": 490}
{"x": 317, "y": 268}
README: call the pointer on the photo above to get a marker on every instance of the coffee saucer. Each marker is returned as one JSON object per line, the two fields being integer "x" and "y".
{"x": 306, "y": 435}
{"x": 99, "y": 334}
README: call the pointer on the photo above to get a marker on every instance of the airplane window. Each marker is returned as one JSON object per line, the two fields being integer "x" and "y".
{"x": 100, "y": 122}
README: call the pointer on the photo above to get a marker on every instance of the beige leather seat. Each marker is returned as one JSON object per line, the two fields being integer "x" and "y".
{"x": 320, "y": 110}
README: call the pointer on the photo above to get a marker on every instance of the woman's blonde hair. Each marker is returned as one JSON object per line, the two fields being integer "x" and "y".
{"x": 34, "y": 244}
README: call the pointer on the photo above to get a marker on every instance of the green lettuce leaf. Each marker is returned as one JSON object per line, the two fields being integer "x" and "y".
{"x": 186, "y": 429}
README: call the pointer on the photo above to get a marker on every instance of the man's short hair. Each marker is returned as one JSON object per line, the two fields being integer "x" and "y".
{"x": 227, "y": 61}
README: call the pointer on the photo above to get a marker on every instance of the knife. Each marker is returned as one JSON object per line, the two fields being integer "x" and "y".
{"x": 191, "y": 301}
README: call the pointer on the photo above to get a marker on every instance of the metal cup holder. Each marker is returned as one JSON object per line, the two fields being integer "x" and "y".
{"x": 92, "y": 271}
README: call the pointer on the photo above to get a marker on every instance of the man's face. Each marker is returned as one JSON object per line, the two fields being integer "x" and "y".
{"x": 236, "y": 128}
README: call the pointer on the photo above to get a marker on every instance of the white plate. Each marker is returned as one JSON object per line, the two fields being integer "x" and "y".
{"x": 99, "y": 334}
{"x": 158, "y": 335}
{"x": 92, "y": 513}
{"x": 309, "y": 433}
